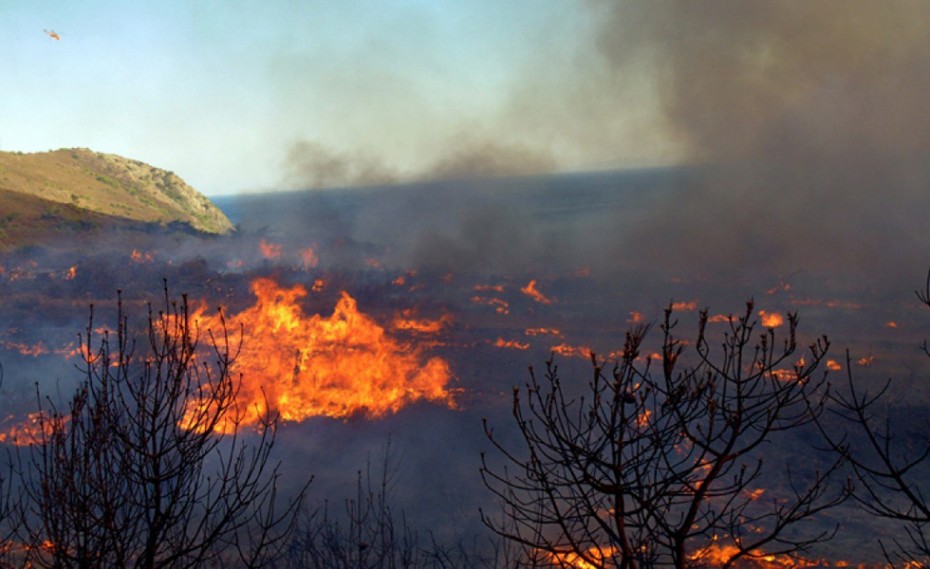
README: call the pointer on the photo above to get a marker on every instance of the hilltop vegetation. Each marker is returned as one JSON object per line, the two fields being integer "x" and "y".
{"x": 82, "y": 189}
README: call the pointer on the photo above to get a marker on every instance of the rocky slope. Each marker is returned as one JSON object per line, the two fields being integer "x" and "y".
{"x": 82, "y": 186}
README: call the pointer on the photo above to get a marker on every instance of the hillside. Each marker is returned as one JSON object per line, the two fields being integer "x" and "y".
{"x": 82, "y": 188}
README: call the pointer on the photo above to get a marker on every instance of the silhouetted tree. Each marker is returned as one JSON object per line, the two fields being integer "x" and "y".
{"x": 891, "y": 468}
{"x": 643, "y": 468}
{"x": 135, "y": 472}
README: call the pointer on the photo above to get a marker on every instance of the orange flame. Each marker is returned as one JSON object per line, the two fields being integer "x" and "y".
{"x": 543, "y": 331}
{"x": 636, "y": 317}
{"x": 771, "y": 319}
{"x": 318, "y": 285}
{"x": 511, "y": 344}
{"x": 407, "y": 321}
{"x": 689, "y": 306}
{"x": 269, "y": 250}
{"x": 598, "y": 554}
{"x": 891, "y": 324}
{"x": 32, "y": 429}
{"x": 72, "y": 272}
{"x": 717, "y": 554}
{"x": 338, "y": 366}
{"x": 531, "y": 291}
{"x": 24, "y": 349}
{"x": 572, "y": 351}
{"x": 834, "y": 365}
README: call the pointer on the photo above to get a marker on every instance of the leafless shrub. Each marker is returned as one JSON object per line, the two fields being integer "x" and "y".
{"x": 665, "y": 468}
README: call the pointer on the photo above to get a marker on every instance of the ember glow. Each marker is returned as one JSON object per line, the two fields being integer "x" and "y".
{"x": 531, "y": 291}
{"x": 338, "y": 366}
{"x": 500, "y": 306}
{"x": 511, "y": 344}
{"x": 28, "y": 431}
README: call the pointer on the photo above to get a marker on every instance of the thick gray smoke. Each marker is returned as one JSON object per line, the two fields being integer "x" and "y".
{"x": 812, "y": 118}
{"x": 808, "y": 124}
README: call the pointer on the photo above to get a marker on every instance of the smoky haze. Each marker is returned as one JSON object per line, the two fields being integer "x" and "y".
{"x": 807, "y": 124}
{"x": 812, "y": 118}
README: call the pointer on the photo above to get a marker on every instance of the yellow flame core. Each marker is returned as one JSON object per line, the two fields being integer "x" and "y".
{"x": 336, "y": 366}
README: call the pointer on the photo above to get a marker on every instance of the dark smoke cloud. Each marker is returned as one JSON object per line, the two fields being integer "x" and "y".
{"x": 489, "y": 159}
{"x": 812, "y": 116}
{"x": 313, "y": 165}
{"x": 310, "y": 164}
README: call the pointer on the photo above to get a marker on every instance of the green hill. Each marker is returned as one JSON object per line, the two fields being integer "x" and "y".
{"x": 79, "y": 188}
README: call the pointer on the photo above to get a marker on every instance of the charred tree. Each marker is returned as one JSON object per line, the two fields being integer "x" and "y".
{"x": 645, "y": 468}
{"x": 135, "y": 471}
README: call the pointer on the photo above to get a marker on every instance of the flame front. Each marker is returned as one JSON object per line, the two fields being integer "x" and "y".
{"x": 338, "y": 366}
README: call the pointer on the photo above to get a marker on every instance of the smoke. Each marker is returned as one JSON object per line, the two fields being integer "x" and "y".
{"x": 813, "y": 119}
{"x": 808, "y": 125}
{"x": 311, "y": 164}
{"x": 489, "y": 159}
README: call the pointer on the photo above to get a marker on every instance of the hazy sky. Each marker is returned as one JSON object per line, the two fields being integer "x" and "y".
{"x": 236, "y": 95}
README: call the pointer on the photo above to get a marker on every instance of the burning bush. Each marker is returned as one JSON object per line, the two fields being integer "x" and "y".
{"x": 127, "y": 475}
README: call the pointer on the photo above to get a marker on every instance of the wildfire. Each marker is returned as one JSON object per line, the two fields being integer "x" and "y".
{"x": 140, "y": 257}
{"x": 33, "y": 350}
{"x": 407, "y": 321}
{"x": 309, "y": 258}
{"x": 511, "y": 344}
{"x": 269, "y": 250}
{"x": 834, "y": 365}
{"x": 28, "y": 431}
{"x": 597, "y": 554}
{"x": 689, "y": 306}
{"x": 337, "y": 366}
{"x": 71, "y": 273}
{"x": 771, "y": 319}
{"x": 720, "y": 319}
{"x": 781, "y": 286}
{"x": 572, "y": 351}
{"x": 717, "y": 555}
{"x": 636, "y": 317}
{"x": 543, "y": 331}
{"x": 531, "y": 291}
{"x": 500, "y": 306}
{"x": 891, "y": 324}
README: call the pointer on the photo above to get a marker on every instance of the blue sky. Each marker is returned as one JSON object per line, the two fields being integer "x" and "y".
{"x": 222, "y": 91}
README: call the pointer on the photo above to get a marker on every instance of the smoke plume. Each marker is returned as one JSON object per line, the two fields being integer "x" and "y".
{"x": 812, "y": 122}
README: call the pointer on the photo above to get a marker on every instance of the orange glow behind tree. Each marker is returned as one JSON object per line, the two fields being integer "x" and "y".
{"x": 335, "y": 366}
